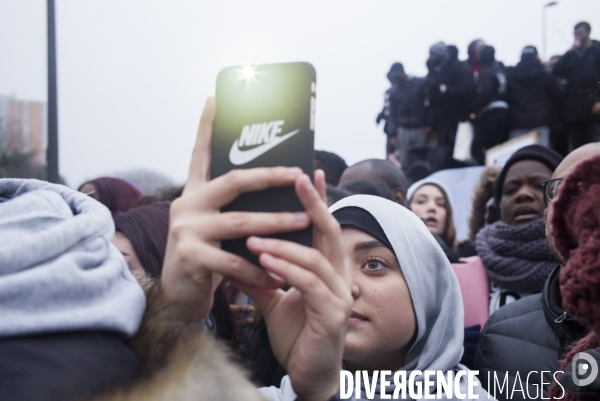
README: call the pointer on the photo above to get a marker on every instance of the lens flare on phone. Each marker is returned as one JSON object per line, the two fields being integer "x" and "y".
{"x": 248, "y": 72}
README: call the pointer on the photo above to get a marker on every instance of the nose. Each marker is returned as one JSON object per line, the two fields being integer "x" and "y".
{"x": 355, "y": 288}
{"x": 525, "y": 194}
{"x": 431, "y": 206}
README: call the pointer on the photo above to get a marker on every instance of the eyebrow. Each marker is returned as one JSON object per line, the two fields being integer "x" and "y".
{"x": 528, "y": 178}
{"x": 366, "y": 245}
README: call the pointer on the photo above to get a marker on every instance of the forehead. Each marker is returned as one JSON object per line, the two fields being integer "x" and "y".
{"x": 352, "y": 236}
{"x": 525, "y": 168}
{"x": 122, "y": 243}
{"x": 429, "y": 190}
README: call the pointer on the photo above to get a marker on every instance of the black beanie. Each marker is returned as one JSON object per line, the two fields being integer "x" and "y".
{"x": 532, "y": 152}
{"x": 364, "y": 221}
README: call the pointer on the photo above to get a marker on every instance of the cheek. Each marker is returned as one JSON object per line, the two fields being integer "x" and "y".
{"x": 419, "y": 210}
{"x": 396, "y": 316}
{"x": 443, "y": 214}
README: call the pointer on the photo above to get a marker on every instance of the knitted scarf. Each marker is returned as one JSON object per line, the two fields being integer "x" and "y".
{"x": 516, "y": 257}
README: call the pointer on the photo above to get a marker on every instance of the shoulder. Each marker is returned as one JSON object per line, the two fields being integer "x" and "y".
{"x": 518, "y": 325}
{"x": 522, "y": 308}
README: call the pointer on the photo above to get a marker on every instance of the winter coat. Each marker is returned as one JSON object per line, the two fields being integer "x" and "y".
{"x": 407, "y": 103}
{"x": 491, "y": 87}
{"x": 460, "y": 91}
{"x": 530, "y": 334}
{"x": 531, "y": 91}
{"x": 581, "y": 72}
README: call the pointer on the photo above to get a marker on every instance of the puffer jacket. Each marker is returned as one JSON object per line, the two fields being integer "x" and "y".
{"x": 531, "y": 334}
{"x": 407, "y": 103}
{"x": 531, "y": 91}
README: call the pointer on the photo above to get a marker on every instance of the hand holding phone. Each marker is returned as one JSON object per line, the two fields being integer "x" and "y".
{"x": 194, "y": 263}
{"x": 307, "y": 337}
{"x": 265, "y": 118}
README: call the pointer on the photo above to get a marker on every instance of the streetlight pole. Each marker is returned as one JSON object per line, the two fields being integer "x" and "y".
{"x": 550, "y": 4}
{"x": 52, "y": 174}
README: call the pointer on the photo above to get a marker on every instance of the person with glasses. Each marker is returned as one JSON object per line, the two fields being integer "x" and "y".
{"x": 533, "y": 333}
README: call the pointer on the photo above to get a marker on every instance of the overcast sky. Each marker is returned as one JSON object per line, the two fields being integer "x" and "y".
{"x": 133, "y": 74}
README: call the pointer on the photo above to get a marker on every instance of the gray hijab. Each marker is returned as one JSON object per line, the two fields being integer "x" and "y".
{"x": 433, "y": 287}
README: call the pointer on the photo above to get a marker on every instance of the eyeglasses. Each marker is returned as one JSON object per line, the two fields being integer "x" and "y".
{"x": 550, "y": 189}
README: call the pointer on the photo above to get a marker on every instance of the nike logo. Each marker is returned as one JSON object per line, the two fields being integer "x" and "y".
{"x": 265, "y": 133}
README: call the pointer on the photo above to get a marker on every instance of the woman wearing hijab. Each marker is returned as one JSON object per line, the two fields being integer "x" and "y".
{"x": 407, "y": 310}
{"x": 375, "y": 292}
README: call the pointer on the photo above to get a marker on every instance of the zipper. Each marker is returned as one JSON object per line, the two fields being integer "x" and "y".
{"x": 561, "y": 318}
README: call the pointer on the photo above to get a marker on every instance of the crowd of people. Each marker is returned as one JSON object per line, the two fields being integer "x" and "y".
{"x": 498, "y": 102}
{"x": 108, "y": 293}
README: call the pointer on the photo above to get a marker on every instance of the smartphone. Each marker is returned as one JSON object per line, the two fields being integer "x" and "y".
{"x": 265, "y": 118}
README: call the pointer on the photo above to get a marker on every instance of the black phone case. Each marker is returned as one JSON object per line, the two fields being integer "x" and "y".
{"x": 265, "y": 121}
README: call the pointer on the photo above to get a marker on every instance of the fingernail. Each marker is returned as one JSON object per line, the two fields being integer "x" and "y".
{"x": 254, "y": 241}
{"x": 301, "y": 218}
{"x": 276, "y": 277}
{"x": 293, "y": 172}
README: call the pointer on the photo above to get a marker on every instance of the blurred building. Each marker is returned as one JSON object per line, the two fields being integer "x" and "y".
{"x": 23, "y": 128}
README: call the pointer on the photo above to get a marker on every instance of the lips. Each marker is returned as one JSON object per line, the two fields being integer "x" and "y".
{"x": 431, "y": 221}
{"x": 523, "y": 213}
{"x": 356, "y": 317}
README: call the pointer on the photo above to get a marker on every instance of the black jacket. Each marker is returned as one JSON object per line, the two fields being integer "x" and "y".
{"x": 527, "y": 335}
{"x": 407, "y": 103}
{"x": 581, "y": 72}
{"x": 531, "y": 91}
{"x": 491, "y": 86}
{"x": 62, "y": 366}
{"x": 460, "y": 91}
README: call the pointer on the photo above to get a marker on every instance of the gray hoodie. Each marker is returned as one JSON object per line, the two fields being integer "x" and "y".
{"x": 58, "y": 268}
{"x": 438, "y": 344}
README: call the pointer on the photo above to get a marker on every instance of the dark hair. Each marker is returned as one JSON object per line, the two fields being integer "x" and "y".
{"x": 387, "y": 172}
{"x": 335, "y": 194}
{"x": 332, "y": 164}
{"x": 116, "y": 194}
{"x": 366, "y": 187}
{"x": 147, "y": 228}
{"x": 583, "y": 25}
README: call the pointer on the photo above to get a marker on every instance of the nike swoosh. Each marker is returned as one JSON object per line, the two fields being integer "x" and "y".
{"x": 239, "y": 157}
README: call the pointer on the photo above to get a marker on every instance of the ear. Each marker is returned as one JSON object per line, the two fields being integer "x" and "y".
{"x": 399, "y": 196}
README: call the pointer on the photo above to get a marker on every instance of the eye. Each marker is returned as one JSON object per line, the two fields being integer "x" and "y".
{"x": 375, "y": 265}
